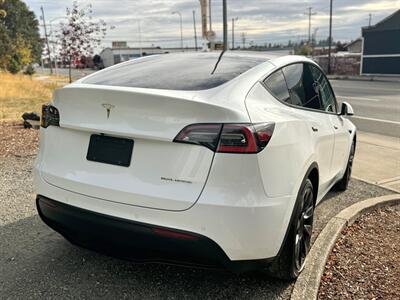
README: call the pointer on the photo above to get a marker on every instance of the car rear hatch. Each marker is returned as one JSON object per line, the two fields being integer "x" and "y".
{"x": 159, "y": 174}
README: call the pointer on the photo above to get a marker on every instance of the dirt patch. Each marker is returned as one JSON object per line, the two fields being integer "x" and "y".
{"x": 17, "y": 141}
{"x": 365, "y": 262}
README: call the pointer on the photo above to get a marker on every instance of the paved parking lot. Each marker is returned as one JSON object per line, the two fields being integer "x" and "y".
{"x": 37, "y": 263}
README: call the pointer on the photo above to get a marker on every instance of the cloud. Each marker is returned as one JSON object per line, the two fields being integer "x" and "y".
{"x": 263, "y": 21}
{"x": 375, "y": 6}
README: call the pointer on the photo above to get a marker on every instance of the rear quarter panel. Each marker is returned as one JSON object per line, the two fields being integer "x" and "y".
{"x": 290, "y": 152}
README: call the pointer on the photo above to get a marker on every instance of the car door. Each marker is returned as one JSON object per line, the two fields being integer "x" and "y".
{"x": 342, "y": 135}
{"x": 303, "y": 95}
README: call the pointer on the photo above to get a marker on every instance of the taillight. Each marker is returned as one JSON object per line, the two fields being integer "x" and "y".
{"x": 228, "y": 138}
{"x": 200, "y": 134}
{"x": 50, "y": 116}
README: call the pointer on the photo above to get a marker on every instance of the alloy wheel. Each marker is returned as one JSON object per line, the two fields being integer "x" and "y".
{"x": 350, "y": 164}
{"x": 304, "y": 228}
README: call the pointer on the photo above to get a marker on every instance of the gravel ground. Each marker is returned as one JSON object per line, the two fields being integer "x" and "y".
{"x": 37, "y": 263}
{"x": 365, "y": 262}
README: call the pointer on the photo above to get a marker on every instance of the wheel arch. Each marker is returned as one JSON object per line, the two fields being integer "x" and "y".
{"x": 312, "y": 174}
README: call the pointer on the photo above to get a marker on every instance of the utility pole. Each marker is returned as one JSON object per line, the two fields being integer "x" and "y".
{"x": 310, "y": 14}
{"x": 244, "y": 39}
{"x": 180, "y": 18}
{"x": 47, "y": 40}
{"x": 233, "y": 32}
{"x": 314, "y": 36}
{"x": 209, "y": 14}
{"x": 225, "y": 14}
{"x": 195, "y": 31}
{"x": 140, "y": 38}
{"x": 330, "y": 37}
{"x": 370, "y": 20}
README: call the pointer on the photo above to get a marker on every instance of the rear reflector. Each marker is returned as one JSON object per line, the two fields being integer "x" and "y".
{"x": 174, "y": 234}
{"x": 228, "y": 138}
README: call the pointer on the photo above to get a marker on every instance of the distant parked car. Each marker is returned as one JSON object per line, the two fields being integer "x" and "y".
{"x": 77, "y": 63}
{"x": 158, "y": 159}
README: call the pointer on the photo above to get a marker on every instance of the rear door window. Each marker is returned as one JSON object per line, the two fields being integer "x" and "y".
{"x": 324, "y": 89}
{"x": 276, "y": 84}
{"x": 302, "y": 88}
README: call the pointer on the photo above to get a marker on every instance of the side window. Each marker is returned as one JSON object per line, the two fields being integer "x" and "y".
{"x": 276, "y": 84}
{"x": 302, "y": 88}
{"x": 324, "y": 90}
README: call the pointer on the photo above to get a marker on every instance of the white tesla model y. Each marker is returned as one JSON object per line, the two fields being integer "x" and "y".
{"x": 159, "y": 159}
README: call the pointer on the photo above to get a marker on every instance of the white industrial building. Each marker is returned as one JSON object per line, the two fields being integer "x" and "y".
{"x": 112, "y": 56}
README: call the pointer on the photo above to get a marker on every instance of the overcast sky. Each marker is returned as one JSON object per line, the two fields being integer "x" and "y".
{"x": 263, "y": 21}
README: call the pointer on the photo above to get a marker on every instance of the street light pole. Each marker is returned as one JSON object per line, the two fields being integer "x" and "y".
{"x": 195, "y": 31}
{"x": 180, "y": 17}
{"x": 225, "y": 19}
{"x": 209, "y": 14}
{"x": 140, "y": 38}
{"x": 47, "y": 40}
{"x": 330, "y": 37}
{"x": 233, "y": 32}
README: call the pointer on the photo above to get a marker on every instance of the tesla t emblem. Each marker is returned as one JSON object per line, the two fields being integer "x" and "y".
{"x": 108, "y": 107}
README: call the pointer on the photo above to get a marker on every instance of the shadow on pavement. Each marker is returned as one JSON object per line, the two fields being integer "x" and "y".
{"x": 38, "y": 263}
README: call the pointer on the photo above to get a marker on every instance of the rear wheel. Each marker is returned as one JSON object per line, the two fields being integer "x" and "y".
{"x": 291, "y": 260}
{"x": 344, "y": 182}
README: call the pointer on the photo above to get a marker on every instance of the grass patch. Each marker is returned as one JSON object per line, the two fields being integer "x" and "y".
{"x": 21, "y": 93}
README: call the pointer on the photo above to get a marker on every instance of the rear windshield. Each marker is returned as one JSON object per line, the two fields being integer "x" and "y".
{"x": 176, "y": 71}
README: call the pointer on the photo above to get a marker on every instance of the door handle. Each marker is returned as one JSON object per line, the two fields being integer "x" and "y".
{"x": 336, "y": 128}
{"x": 315, "y": 129}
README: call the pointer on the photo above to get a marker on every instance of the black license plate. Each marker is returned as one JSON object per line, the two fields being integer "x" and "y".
{"x": 110, "y": 150}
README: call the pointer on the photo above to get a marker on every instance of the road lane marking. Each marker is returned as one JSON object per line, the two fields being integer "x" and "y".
{"x": 365, "y": 88}
{"x": 376, "y": 120}
{"x": 359, "y": 98}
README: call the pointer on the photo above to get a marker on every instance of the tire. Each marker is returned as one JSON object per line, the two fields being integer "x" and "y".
{"x": 291, "y": 259}
{"x": 343, "y": 183}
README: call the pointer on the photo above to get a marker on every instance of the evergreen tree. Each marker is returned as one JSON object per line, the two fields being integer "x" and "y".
{"x": 20, "y": 42}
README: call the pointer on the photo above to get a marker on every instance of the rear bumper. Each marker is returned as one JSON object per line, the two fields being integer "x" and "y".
{"x": 137, "y": 241}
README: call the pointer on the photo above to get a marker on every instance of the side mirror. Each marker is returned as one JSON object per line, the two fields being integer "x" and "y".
{"x": 346, "y": 109}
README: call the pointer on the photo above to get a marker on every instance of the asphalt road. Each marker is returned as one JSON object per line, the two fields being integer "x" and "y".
{"x": 37, "y": 263}
{"x": 376, "y": 104}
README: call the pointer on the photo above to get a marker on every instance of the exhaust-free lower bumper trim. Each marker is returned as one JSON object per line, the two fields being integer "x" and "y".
{"x": 136, "y": 241}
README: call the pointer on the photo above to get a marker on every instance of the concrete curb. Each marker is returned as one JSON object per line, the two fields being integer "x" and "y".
{"x": 307, "y": 285}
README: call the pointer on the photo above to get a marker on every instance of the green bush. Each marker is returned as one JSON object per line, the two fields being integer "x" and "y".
{"x": 305, "y": 50}
{"x": 14, "y": 66}
{"x": 30, "y": 70}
